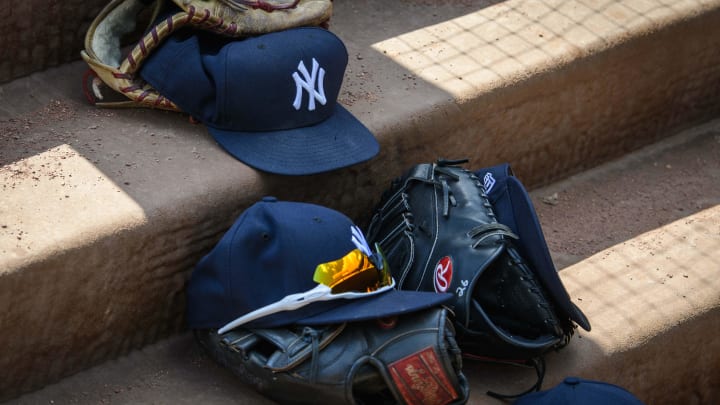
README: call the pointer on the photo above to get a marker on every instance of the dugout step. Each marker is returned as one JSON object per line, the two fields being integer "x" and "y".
{"x": 104, "y": 212}
{"x": 646, "y": 282}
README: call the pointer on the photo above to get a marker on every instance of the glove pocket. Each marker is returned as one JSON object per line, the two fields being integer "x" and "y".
{"x": 509, "y": 312}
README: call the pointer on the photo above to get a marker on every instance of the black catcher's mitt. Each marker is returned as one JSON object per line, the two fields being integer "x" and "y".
{"x": 440, "y": 231}
{"x": 409, "y": 359}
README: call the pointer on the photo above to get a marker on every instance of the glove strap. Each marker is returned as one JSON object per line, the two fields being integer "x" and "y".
{"x": 539, "y": 365}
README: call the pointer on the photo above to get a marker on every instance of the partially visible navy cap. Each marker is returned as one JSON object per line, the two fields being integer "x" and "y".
{"x": 272, "y": 251}
{"x": 513, "y": 207}
{"x": 578, "y": 391}
{"x": 269, "y": 100}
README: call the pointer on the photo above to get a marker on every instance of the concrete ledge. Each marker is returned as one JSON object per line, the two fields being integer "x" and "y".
{"x": 104, "y": 212}
{"x": 650, "y": 292}
{"x": 36, "y": 35}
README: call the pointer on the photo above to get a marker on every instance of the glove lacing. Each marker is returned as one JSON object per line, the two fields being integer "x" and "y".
{"x": 480, "y": 232}
{"x": 314, "y": 337}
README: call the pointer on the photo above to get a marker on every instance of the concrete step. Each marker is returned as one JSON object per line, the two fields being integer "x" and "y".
{"x": 104, "y": 212}
{"x": 25, "y": 47}
{"x": 637, "y": 240}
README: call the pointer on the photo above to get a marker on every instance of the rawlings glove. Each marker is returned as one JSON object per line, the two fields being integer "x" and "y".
{"x": 409, "y": 359}
{"x": 440, "y": 231}
{"x": 227, "y": 18}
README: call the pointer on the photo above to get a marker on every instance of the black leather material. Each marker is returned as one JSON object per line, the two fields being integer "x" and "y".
{"x": 352, "y": 363}
{"x": 438, "y": 231}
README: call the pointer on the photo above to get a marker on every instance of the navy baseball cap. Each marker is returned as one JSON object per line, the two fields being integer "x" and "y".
{"x": 261, "y": 273}
{"x": 513, "y": 207}
{"x": 578, "y": 391}
{"x": 269, "y": 100}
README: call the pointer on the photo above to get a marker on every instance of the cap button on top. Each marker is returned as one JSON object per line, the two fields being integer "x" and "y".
{"x": 269, "y": 199}
{"x": 572, "y": 381}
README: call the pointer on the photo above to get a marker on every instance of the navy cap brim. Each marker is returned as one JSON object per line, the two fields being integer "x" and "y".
{"x": 339, "y": 141}
{"x": 390, "y": 303}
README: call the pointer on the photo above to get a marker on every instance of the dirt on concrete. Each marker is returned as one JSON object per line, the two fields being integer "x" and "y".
{"x": 664, "y": 182}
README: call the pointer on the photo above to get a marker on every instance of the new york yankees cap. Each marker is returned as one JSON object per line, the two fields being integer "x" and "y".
{"x": 266, "y": 262}
{"x": 269, "y": 100}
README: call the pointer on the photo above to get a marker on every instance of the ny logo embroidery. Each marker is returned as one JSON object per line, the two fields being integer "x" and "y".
{"x": 488, "y": 182}
{"x": 308, "y": 82}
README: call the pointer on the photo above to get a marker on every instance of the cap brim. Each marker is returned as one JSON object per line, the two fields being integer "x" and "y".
{"x": 390, "y": 303}
{"x": 339, "y": 141}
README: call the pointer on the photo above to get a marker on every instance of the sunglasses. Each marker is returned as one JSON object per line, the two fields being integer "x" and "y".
{"x": 355, "y": 275}
{"x": 356, "y": 271}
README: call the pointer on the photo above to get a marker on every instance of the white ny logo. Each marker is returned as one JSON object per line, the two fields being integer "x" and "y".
{"x": 488, "y": 182}
{"x": 308, "y": 83}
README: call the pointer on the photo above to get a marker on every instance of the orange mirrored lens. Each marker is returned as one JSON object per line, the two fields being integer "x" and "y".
{"x": 352, "y": 272}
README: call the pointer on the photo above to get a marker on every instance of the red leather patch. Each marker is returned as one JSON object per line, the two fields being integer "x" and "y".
{"x": 443, "y": 274}
{"x": 421, "y": 379}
